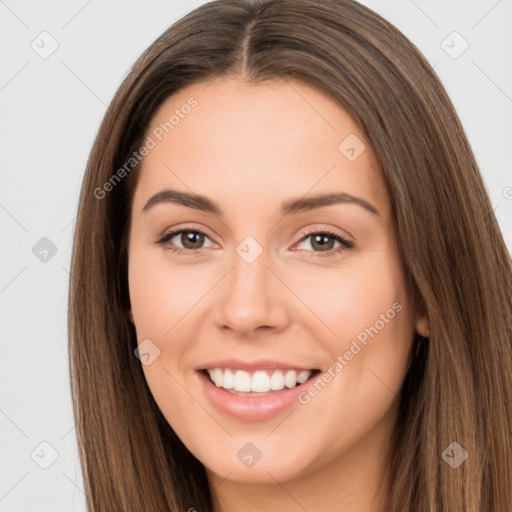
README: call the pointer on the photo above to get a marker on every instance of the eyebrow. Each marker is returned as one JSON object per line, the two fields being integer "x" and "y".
{"x": 294, "y": 205}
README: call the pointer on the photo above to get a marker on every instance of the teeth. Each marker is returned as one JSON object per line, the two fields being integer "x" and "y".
{"x": 290, "y": 379}
{"x": 260, "y": 381}
{"x": 303, "y": 376}
{"x": 228, "y": 381}
{"x": 277, "y": 381}
{"x": 242, "y": 381}
{"x": 217, "y": 377}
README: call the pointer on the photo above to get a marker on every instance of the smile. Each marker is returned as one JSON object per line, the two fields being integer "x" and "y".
{"x": 259, "y": 381}
{"x": 256, "y": 393}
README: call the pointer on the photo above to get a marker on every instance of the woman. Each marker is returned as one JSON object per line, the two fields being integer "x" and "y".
{"x": 288, "y": 289}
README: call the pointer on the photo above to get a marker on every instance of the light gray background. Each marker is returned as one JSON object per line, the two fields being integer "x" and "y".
{"x": 50, "y": 111}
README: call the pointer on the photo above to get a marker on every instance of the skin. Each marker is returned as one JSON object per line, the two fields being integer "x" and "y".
{"x": 249, "y": 148}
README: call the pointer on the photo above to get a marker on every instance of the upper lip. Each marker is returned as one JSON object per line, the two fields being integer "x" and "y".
{"x": 252, "y": 365}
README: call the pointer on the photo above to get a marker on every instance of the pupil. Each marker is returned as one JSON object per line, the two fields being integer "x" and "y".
{"x": 320, "y": 239}
{"x": 188, "y": 238}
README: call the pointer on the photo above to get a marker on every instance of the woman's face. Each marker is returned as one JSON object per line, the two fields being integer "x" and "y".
{"x": 262, "y": 248}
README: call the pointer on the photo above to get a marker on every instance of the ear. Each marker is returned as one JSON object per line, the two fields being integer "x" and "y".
{"x": 130, "y": 315}
{"x": 422, "y": 325}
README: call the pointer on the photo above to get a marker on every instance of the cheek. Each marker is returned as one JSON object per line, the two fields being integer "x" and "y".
{"x": 161, "y": 294}
{"x": 165, "y": 302}
{"x": 367, "y": 309}
{"x": 162, "y": 298}
{"x": 353, "y": 297}
{"x": 367, "y": 329}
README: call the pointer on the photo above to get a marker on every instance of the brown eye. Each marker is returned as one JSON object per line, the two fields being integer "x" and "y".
{"x": 185, "y": 241}
{"x": 322, "y": 242}
{"x": 192, "y": 239}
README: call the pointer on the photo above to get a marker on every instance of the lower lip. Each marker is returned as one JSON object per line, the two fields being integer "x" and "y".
{"x": 251, "y": 408}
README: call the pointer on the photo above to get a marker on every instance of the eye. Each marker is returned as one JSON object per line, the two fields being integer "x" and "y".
{"x": 187, "y": 241}
{"x": 190, "y": 240}
{"x": 324, "y": 242}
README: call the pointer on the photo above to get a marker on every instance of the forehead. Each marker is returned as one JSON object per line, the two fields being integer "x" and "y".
{"x": 280, "y": 138}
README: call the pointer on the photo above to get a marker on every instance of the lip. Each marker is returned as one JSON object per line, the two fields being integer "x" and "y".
{"x": 262, "y": 364}
{"x": 251, "y": 408}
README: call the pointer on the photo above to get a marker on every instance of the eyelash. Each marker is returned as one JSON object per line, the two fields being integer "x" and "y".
{"x": 345, "y": 244}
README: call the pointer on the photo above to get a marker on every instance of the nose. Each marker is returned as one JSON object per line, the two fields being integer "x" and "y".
{"x": 251, "y": 299}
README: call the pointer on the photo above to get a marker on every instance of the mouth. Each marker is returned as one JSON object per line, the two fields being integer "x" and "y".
{"x": 260, "y": 382}
{"x": 254, "y": 394}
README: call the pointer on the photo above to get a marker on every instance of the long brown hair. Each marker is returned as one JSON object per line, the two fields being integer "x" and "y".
{"x": 458, "y": 387}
